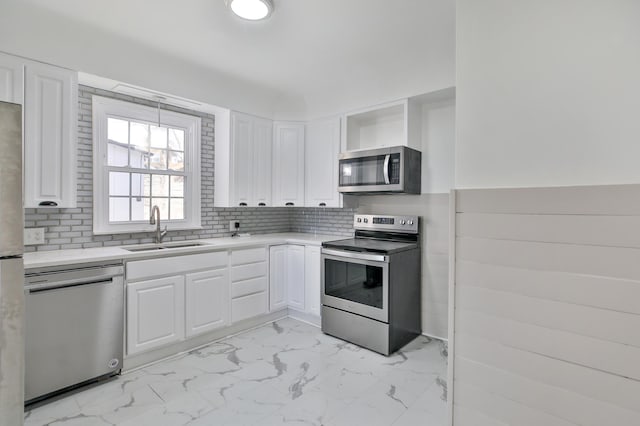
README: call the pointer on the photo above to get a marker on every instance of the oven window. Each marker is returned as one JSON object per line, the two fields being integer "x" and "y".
{"x": 354, "y": 282}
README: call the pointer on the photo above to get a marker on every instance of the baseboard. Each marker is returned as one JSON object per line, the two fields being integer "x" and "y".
{"x": 431, "y": 336}
{"x": 141, "y": 360}
{"x": 138, "y": 361}
{"x": 304, "y": 317}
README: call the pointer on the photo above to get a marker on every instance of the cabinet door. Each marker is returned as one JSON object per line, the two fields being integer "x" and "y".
{"x": 288, "y": 164}
{"x": 11, "y": 79}
{"x": 312, "y": 287}
{"x": 51, "y": 98}
{"x": 262, "y": 146}
{"x": 242, "y": 141}
{"x": 322, "y": 146}
{"x": 207, "y": 301}
{"x": 295, "y": 276}
{"x": 277, "y": 277}
{"x": 155, "y": 313}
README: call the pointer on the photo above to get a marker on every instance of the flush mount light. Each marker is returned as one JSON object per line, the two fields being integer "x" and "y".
{"x": 252, "y": 10}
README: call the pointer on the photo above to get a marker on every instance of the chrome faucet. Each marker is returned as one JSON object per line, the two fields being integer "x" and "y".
{"x": 155, "y": 220}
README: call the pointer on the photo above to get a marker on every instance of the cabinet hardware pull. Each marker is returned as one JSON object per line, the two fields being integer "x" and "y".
{"x": 322, "y": 204}
{"x": 289, "y": 204}
{"x": 48, "y": 203}
{"x": 261, "y": 204}
{"x": 243, "y": 204}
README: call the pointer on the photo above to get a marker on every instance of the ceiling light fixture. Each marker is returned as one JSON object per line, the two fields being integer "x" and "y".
{"x": 251, "y": 10}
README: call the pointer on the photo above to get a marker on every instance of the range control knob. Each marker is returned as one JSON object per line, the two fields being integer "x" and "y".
{"x": 359, "y": 220}
{"x": 366, "y": 220}
{"x": 410, "y": 222}
{"x": 402, "y": 222}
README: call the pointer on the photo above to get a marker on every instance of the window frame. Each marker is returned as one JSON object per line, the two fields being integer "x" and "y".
{"x": 103, "y": 108}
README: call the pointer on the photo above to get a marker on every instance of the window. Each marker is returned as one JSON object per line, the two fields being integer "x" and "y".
{"x": 139, "y": 164}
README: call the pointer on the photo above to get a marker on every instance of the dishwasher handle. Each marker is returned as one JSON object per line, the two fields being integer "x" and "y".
{"x": 41, "y": 288}
{"x": 72, "y": 277}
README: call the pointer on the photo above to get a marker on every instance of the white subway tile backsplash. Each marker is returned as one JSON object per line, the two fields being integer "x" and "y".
{"x": 72, "y": 228}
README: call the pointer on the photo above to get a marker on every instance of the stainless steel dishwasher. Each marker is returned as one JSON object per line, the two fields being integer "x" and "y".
{"x": 74, "y": 327}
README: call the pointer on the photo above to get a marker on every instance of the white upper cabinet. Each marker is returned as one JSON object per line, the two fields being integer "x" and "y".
{"x": 322, "y": 146}
{"x": 392, "y": 124}
{"x": 50, "y": 120}
{"x": 242, "y": 141}
{"x": 49, "y": 96}
{"x": 262, "y": 145}
{"x": 288, "y": 164}
{"x": 243, "y": 160}
{"x": 11, "y": 79}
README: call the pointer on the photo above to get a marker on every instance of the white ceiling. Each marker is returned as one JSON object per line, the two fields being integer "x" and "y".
{"x": 322, "y": 56}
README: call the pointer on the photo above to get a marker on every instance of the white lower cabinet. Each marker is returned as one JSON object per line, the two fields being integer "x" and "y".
{"x": 155, "y": 313}
{"x": 277, "y": 277}
{"x": 249, "y": 283}
{"x": 165, "y": 310}
{"x": 312, "y": 283}
{"x": 249, "y": 306}
{"x": 295, "y": 278}
{"x": 209, "y": 291}
{"x": 207, "y": 301}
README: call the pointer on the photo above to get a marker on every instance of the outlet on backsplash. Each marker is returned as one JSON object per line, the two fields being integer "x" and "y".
{"x": 234, "y": 225}
{"x": 33, "y": 236}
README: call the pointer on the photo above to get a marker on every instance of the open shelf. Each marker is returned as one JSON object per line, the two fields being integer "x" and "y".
{"x": 380, "y": 126}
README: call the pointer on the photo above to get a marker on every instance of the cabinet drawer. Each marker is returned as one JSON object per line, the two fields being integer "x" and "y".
{"x": 241, "y": 257}
{"x": 245, "y": 272}
{"x": 249, "y": 306}
{"x": 143, "y": 269}
{"x": 251, "y": 286}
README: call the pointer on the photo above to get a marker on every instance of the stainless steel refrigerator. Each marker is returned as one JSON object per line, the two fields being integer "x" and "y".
{"x": 11, "y": 267}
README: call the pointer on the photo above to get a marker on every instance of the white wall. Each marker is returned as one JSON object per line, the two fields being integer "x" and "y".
{"x": 438, "y": 146}
{"x": 546, "y": 312}
{"x": 434, "y": 211}
{"x": 39, "y": 34}
{"x": 52, "y": 34}
{"x": 548, "y": 92}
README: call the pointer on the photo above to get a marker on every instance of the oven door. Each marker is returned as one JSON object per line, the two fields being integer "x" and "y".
{"x": 356, "y": 282}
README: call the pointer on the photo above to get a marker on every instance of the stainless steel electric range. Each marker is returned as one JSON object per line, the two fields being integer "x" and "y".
{"x": 371, "y": 283}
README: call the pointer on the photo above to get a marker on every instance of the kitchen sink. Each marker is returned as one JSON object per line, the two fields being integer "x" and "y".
{"x": 134, "y": 249}
{"x": 167, "y": 246}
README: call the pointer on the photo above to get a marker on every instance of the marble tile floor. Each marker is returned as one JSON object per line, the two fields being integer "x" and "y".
{"x": 283, "y": 373}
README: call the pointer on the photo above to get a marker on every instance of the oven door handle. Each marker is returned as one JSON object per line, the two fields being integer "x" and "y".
{"x": 356, "y": 255}
{"x": 386, "y": 169}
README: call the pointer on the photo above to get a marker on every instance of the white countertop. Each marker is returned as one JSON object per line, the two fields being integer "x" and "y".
{"x": 43, "y": 259}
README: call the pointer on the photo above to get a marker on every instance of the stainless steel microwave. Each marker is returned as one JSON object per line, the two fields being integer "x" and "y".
{"x": 384, "y": 170}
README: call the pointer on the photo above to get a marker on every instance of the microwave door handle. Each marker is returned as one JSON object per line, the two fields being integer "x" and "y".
{"x": 386, "y": 168}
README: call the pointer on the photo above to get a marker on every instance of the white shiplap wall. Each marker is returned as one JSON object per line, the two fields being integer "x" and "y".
{"x": 547, "y": 306}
